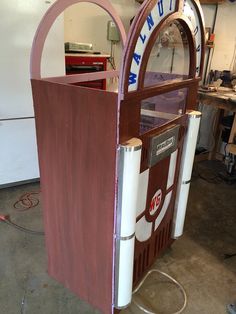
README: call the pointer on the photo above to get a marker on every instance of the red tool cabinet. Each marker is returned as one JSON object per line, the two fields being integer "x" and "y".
{"x": 87, "y": 63}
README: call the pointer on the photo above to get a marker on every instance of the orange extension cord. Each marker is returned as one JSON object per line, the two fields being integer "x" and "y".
{"x": 25, "y": 202}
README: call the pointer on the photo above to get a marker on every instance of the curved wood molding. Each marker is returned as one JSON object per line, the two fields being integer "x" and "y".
{"x": 53, "y": 12}
{"x": 136, "y": 27}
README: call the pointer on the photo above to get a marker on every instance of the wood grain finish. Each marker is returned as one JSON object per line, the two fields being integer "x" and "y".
{"x": 76, "y": 133}
{"x": 83, "y": 77}
{"x": 162, "y": 88}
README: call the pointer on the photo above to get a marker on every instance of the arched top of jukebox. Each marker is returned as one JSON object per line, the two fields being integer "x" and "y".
{"x": 153, "y": 19}
{"x": 49, "y": 18}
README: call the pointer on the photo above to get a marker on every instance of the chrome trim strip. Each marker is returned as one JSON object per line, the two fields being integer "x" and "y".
{"x": 186, "y": 182}
{"x": 131, "y": 148}
{"x": 117, "y": 267}
{"x": 194, "y": 114}
{"x": 131, "y": 145}
{"x": 125, "y": 238}
{"x": 122, "y": 307}
{"x": 118, "y": 222}
{"x": 121, "y": 157}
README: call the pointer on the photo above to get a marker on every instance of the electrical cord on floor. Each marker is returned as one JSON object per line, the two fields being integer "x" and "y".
{"x": 208, "y": 176}
{"x": 6, "y": 220}
{"x": 169, "y": 277}
{"x": 226, "y": 256}
{"x": 215, "y": 179}
{"x": 27, "y": 201}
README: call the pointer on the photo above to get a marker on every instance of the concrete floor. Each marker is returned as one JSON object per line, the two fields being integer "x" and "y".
{"x": 196, "y": 260}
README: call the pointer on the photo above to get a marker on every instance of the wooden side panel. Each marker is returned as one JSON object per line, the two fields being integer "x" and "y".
{"x": 76, "y": 132}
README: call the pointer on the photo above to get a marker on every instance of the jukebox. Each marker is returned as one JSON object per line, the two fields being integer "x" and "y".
{"x": 116, "y": 167}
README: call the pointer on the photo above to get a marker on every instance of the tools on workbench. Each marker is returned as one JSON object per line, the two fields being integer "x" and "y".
{"x": 227, "y": 77}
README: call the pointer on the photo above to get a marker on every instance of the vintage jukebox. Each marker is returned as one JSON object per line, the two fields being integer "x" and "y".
{"x": 116, "y": 167}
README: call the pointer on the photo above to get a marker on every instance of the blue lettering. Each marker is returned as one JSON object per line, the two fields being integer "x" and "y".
{"x": 160, "y": 7}
{"x": 137, "y": 58}
{"x": 197, "y": 70}
{"x": 195, "y": 31}
{"x": 198, "y": 48}
{"x": 170, "y": 8}
{"x": 132, "y": 78}
{"x": 143, "y": 38}
{"x": 150, "y": 21}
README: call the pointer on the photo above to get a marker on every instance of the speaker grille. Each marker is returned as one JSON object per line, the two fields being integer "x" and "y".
{"x": 151, "y": 250}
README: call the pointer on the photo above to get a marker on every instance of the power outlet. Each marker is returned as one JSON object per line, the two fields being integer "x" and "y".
{"x": 112, "y": 32}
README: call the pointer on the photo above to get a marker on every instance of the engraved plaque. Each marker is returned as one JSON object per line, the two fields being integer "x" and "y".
{"x": 162, "y": 145}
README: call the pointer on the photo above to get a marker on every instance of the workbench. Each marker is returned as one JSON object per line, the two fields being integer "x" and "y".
{"x": 224, "y": 99}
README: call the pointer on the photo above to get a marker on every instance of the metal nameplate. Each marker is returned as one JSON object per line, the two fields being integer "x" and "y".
{"x": 162, "y": 145}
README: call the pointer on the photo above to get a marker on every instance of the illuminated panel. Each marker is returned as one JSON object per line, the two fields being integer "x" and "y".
{"x": 128, "y": 178}
{"x": 185, "y": 173}
{"x": 158, "y": 13}
{"x": 191, "y": 13}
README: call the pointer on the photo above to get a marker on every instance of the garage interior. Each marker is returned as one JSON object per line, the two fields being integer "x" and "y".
{"x": 200, "y": 260}
{"x": 203, "y": 260}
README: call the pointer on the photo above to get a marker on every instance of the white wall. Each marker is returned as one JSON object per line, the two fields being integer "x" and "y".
{"x": 19, "y": 20}
{"x": 225, "y": 30}
{"x": 86, "y": 22}
{"x": 225, "y": 40}
{"x": 18, "y": 23}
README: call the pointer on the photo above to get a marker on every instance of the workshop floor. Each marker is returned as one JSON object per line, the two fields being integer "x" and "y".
{"x": 196, "y": 260}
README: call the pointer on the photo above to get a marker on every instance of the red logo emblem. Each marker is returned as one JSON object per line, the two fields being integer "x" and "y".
{"x": 155, "y": 203}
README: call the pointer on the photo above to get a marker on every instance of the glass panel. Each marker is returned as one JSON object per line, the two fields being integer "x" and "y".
{"x": 158, "y": 110}
{"x": 169, "y": 58}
